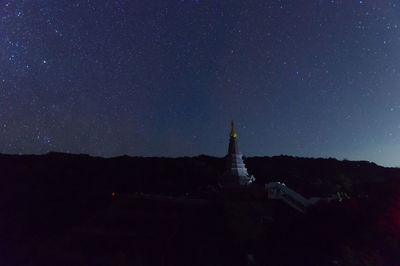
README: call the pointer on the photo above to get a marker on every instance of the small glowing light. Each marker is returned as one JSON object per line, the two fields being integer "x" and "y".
{"x": 113, "y": 194}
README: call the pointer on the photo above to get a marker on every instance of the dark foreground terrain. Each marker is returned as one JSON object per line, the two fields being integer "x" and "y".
{"x": 58, "y": 209}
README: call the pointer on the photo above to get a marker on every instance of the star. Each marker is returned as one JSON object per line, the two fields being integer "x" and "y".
{"x": 127, "y": 78}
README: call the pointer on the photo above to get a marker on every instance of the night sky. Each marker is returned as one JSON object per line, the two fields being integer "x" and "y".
{"x": 314, "y": 78}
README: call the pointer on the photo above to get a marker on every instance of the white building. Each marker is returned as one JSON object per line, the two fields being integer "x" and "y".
{"x": 236, "y": 171}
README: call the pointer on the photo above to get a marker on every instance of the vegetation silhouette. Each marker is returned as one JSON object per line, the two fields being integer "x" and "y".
{"x": 58, "y": 209}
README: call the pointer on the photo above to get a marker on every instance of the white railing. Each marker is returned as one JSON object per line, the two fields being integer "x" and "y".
{"x": 278, "y": 190}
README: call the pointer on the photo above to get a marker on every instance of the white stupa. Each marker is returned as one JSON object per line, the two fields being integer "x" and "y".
{"x": 236, "y": 172}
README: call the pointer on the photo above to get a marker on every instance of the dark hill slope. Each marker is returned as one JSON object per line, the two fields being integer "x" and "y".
{"x": 58, "y": 175}
{"x": 58, "y": 208}
{"x": 322, "y": 176}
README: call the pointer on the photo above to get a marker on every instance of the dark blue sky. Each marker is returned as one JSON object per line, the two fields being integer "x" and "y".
{"x": 165, "y": 78}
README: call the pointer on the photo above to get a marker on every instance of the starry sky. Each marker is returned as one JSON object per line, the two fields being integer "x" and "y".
{"x": 313, "y": 78}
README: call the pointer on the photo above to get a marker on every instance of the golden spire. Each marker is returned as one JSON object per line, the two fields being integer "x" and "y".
{"x": 233, "y": 133}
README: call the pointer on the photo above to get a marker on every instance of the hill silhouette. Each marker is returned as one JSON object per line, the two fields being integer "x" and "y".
{"x": 94, "y": 175}
{"x": 56, "y": 209}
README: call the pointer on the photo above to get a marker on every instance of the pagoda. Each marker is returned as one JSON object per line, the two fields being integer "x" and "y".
{"x": 235, "y": 173}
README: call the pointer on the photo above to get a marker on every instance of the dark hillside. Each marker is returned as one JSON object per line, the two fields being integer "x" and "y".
{"x": 57, "y": 209}
{"x": 321, "y": 176}
{"x": 58, "y": 175}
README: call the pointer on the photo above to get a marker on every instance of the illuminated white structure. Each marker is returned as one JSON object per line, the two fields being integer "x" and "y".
{"x": 236, "y": 172}
{"x": 278, "y": 190}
